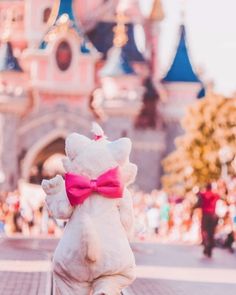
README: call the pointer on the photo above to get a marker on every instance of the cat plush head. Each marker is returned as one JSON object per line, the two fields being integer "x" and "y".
{"x": 92, "y": 157}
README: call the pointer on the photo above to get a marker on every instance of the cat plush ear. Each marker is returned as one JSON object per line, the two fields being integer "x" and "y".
{"x": 120, "y": 150}
{"x": 74, "y": 144}
{"x": 129, "y": 172}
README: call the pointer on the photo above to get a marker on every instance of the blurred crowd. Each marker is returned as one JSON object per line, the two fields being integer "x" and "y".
{"x": 17, "y": 216}
{"x": 165, "y": 218}
{"x": 171, "y": 218}
{"x": 159, "y": 217}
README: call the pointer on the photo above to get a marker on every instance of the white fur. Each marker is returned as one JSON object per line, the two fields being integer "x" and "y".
{"x": 94, "y": 253}
{"x": 120, "y": 149}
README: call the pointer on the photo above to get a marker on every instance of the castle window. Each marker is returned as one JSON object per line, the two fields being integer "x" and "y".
{"x": 17, "y": 16}
{"x": 46, "y": 14}
{"x": 63, "y": 56}
{"x": 20, "y": 17}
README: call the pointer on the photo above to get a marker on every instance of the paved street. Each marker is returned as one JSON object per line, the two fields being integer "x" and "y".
{"x": 162, "y": 269}
{"x": 181, "y": 270}
{"x": 25, "y": 266}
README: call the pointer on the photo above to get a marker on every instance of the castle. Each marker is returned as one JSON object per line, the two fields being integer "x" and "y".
{"x": 64, "y": 64}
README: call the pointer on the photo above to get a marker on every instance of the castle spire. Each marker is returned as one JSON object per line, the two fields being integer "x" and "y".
{"x": 8, "y": 61}
{"x": 66, "y": 7}
{"x": 63, "y": 16}
{"x": 157, "y": 13}
{"x": 181, "y": 69}
{"x": 117, "y": 63}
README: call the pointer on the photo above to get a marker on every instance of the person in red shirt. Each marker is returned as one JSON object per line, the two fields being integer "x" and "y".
{"x": 207, "y": 200}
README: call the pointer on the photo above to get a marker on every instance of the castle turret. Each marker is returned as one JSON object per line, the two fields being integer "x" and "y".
{"x": 62, "y": 11}
{"x": 181, "y": 69}
{"x": 64, "y": 57}
{"x": 182, "y": 86}
{"x": 118, "y": 75}
{"x": 125, "y": 80}
{"x": 118, "y": 59}
{"x": 8, "y": 62}
{"x": 14, "y": 102}
{"x": 13, "y": 81}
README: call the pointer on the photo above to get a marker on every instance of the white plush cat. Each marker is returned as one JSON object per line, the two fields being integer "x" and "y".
{"x": 93, "y": 255}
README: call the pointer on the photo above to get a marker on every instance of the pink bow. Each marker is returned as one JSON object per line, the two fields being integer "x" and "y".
{"x": 79, "y": 188}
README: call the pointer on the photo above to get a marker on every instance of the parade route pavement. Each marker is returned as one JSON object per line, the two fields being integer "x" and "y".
{"x": 25, "y": 266}
{"x": 182, "y": 270}
{"x": 25, "y": 269}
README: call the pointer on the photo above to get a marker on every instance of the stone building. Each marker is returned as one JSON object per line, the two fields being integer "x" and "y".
{"x": 64, "y": 64}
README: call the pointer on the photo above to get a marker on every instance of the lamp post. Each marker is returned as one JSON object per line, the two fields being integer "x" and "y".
{"x": 225, "y": 156}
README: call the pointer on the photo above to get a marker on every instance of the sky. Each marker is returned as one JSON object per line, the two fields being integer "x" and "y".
{"x": 211, "y": 37}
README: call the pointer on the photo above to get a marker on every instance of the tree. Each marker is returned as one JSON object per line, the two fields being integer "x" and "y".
{"x": 209, "y": 125}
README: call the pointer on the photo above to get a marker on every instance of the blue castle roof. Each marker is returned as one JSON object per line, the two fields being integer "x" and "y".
{"x": 181, "y": 69}
{"x": 117, "y": 64}
{"x": 8, "y": 62}
{"x": 102, "y": 38}
{"x": 202, "y": 92}
{"x": 66, "y": 7}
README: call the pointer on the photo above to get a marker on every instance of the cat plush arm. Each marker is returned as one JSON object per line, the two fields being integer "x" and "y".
{"x": 56, "y": 198}
{"x": 127, "y": 213}
{"x": 129, "y": 171}
{"x": 120, "y": 150}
